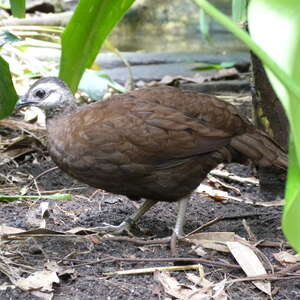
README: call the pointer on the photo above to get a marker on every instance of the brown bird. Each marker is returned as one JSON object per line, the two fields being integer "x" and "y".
{"x": 155, "y": 143}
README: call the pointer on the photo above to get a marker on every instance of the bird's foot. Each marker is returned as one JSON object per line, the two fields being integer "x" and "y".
{"x": 123, "y": 228}
{"x": 174, "y": 238}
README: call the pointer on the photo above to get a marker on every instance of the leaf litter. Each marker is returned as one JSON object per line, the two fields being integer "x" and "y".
{"x": 41, "y": 279}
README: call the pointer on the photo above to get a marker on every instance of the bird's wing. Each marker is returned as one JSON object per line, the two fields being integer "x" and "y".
{"x": 148, "y": 131}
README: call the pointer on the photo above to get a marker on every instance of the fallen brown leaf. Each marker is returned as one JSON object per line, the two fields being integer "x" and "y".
{"x": 250, "y": 264}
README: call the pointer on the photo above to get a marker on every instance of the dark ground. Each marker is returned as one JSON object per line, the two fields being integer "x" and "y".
{"x": 83, "y": 210}
{"x": 89, "y": 209}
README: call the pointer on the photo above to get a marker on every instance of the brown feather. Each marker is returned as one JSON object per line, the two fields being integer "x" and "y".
{"x": 157, "y": 143}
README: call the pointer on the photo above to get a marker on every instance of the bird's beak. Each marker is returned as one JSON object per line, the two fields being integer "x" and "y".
{"x": 23, "y": 102}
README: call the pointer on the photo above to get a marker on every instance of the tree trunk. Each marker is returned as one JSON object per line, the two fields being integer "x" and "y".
{"x": 269, "y": 116}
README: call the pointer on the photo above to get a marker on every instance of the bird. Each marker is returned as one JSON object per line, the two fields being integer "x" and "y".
{"x": 155, "y": 143}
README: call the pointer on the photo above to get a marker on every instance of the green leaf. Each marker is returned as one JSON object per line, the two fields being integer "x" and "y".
{"x": 7, "y": 37}
{"x": 291, "y": 85}
{"x": 17, "y": 8}
{"x": 274, "y": 27}
{"x": 113, "y": 84}
{"x": 8, "y": 95}
{"x": 93, "y": 85}
{"x": 265, "y": 18}
{"x": 96, "y": 83}
{"x": 88, "y": 28}
{"x": 239, "y": 11}
{"x": 5, "y": 198}
{"x": 204, "y": 24}
{"x": 206, "y": 66}
{"x": 291, "y": 213}
{"x": 59, "y": 196}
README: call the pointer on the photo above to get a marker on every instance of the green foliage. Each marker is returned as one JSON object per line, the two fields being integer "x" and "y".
{"x": 239, "y": 11}
{"x": 204, "y": 24}
{"x": 61, "y": 197}
{"x": 279, "y": 54}
{"x": 205, "y": 66}
{"x": 8, "y": 95}
{"x": 7, "y": 37}
{"x": 18, "y": 8}
{"x": 96, "y": 83}
{"x": 88, "y": 28}
{"x": 281, "y": 17}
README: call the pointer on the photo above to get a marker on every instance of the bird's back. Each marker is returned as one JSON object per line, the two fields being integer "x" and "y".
{"x": 156, "y": 143}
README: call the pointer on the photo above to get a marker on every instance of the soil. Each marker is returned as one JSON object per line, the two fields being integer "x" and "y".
{"x": 90, "y": 208}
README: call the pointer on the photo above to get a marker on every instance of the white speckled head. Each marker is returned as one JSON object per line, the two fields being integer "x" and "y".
{"x": 49, "y": 94}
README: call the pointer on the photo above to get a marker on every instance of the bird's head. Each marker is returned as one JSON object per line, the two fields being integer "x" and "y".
{"x": 49, "y": 94}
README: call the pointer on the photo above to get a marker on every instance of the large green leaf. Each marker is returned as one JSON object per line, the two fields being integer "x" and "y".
{"x": 275, "y": 26}
{"x": 291, "y": 214}
{"x": 8, "y": 95}
{"x": 88, "y": 28}
{"x": 18, "y": 8}
{"x": 275, "y": 30}
{"x": 239, "y": 11}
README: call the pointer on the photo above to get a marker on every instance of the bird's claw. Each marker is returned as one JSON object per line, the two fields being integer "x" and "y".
{"x": 123, "y": 228}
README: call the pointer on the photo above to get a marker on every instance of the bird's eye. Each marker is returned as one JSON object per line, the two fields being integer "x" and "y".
{"x": 40, "y": 93}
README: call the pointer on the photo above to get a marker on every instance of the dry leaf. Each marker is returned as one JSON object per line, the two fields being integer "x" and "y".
{"x": 45, "y": 213}
{"x": 219, "y": 290}
{"x": 17, "y": 147}
{"x": 233, "y": 177}
{"x": 10, "y": 155}
{"x": 250, "y": 264}
{"x": 34, "y": 232}
{"x": 35, "y": 115}
{"x": 9, "y": 230}
{"x": 286, "y": 258}
{"x": 199, "y": 251}
{"x": 228, "y": 73}
{"x": 175, "y": 289}
{"x": 171, "y": 80}
{"x": 5, "y": 286}
{"x": 40, "y": 280}
{"x": 43, "y": 295}
{"x": 212, "y": 240}
{"x": 213, "y": 193}
{"x": 209, "y": 288}
{"x": 22, "y": 125}
{"x": 200, "y": 280}
{"x": 224, "y": 196}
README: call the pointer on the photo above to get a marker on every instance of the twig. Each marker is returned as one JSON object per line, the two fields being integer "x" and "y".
{"x": 173, "y": 244}
{"x": 289, "y": 269}
{"x": 211, "y": 222}
{"x": 21, "y": 125}
{"x": 152, "y": 270}
{"x": 221, "y": 218}
{"x": 62, "y": 190}
{"x": 226, "y": 186}
{"x": 45, "y": 172}
{"x": 271, "y": 277}
{"x": 232, "y": 177}
{"x": 251, "y": 235}
{"x": 109, "y": 237}
{"x": 271, "y": 244}
{"x": 163, "y": 259}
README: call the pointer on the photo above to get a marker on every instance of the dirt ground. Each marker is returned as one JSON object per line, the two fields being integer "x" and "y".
{"x": 89, "y": 210}
{"x": 89, "y": 258}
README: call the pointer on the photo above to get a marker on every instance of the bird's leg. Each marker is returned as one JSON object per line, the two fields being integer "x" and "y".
{"x": 182, "y": 205}
{"x": 127, "y": 223}
{"x": 178, "y": 229}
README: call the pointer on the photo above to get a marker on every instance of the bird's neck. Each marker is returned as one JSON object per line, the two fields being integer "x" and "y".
{"x": 56, "y": 113}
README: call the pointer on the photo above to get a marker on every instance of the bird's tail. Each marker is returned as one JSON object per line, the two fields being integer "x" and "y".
{"x": 261, "y": 149}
